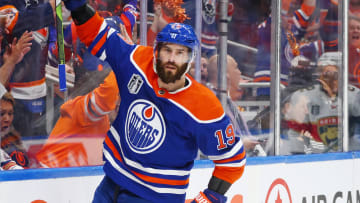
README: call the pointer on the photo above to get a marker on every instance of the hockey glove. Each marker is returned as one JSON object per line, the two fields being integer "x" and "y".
{"x": 209, "y": 196}
{"x": 72, "y": 5}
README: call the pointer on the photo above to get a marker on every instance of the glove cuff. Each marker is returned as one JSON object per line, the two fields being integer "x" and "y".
{"x": 214, "y": 196}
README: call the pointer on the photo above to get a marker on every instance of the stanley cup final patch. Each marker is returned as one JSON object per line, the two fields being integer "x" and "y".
{"x": 135, "y": 84}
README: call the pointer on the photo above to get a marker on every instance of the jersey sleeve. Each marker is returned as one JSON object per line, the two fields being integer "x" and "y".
{"x": 33, "y": 18}
{"x": 105, "y": 42}
{"x": 219, "y": 142}
{"x": 103, "y": 99}
{"x": 93, "y": 106}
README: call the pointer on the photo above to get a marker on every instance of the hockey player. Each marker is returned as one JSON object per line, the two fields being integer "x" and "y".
{"x": 313, "y": 111}
{"x": 164, "y": 117}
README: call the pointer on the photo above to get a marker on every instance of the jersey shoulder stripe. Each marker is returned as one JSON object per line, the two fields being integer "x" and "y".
{"x": 206, "y": 109}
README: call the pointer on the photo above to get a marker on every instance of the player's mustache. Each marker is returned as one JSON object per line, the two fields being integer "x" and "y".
{"x": 172, "y": 64}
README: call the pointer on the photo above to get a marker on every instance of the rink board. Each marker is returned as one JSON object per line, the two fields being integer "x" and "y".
{"x": 319, "y": 178}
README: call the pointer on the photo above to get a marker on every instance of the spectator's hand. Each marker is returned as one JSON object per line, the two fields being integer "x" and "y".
{"x": 249, "y": 143}
{"x": 306, "y": 133}
{"x": 327, "y": 88}
{"x": 209, "y": 196}
{"x": 72, "y": 5}
{"x": 69, "y": 69}
{"x": 18, "y": 48}
{"x": 159, "y": 22}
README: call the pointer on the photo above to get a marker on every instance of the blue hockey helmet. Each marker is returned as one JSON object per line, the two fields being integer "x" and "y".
{"x": 178, "y": 33}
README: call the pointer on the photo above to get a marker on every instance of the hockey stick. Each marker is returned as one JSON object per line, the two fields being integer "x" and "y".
{"x": 60, "y": 44}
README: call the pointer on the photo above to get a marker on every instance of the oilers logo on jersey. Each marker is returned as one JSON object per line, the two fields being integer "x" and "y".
{"x": 145, "y": 127}
{"x": 135, "y": 84}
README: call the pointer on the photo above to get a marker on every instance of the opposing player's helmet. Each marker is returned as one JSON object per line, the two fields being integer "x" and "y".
{"x": 178, "y": 33}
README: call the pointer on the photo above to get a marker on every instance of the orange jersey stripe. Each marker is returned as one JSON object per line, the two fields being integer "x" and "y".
{"x": 237, "y": 157}
{"x": 262, "y": 79}
{"x": 89, "y": 30}
{"x": 27, "y": 84}
{"x": 141, "y": 176}
{"x": 229, "y": 174}
{"x": 161, "y": 180}
{"x": 113, "y": 149}
{"x": 308, "y": 10}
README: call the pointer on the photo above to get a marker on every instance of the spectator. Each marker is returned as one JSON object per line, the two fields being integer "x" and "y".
{"x": 233, "y": 77}
{"x": 289, "y": 48}
{"x": 11, "y": 141}
{"x": 6, "y": 163}
{"x": 165, "y": 12}
{"x": 13, "y": 54}
{"x": 27, "y": 83}
{"x": 354, "y": 49}
{"x": 209, "y": 23}
{"x": 312, "y": 114}
{"x": 144, "y": 150}
{"x": 203, "y": 70}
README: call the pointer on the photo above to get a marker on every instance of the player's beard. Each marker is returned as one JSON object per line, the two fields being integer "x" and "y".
{"x": 168, "y": 76}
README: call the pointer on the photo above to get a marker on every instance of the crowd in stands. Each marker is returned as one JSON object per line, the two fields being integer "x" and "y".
{"x": 311, "y": 63}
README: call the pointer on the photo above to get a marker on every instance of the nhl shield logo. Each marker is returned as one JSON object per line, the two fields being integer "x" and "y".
{"x": 135, "y": 84}
{"x": 144, "y": 127}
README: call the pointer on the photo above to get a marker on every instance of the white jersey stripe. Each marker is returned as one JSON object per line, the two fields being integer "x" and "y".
{"x": 242, "y": 163}
{"x": 92, "y": 118}
{"x": 135, "y": 179}
{"x": 97, "y": 108}
{"x": 229, "y": 154}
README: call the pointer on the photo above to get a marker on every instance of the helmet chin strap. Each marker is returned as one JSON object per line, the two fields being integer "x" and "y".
{"x": 193, "y": 54}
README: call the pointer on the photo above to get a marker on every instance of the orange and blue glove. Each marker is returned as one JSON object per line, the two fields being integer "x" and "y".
{"x": 209, "y": 196}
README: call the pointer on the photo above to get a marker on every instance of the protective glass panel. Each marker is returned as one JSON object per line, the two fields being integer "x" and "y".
{"x": 311, "y": 64}
{"x": 354, "y": 74}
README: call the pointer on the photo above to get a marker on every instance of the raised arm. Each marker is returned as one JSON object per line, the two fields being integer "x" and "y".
{"x": 14, "y": 54}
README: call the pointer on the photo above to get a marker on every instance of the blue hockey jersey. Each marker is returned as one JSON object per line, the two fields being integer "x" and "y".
{"x": 151, "y": 146}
